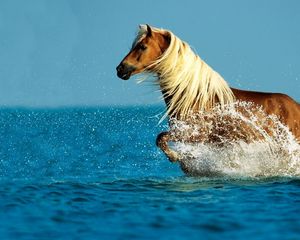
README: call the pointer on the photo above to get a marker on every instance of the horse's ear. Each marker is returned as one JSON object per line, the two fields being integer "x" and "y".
{"x": 149, "y": 31}
{"x": 167, "y": 37}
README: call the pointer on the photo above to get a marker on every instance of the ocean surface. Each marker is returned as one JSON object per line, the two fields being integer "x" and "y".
{"x": 95, "y": 173}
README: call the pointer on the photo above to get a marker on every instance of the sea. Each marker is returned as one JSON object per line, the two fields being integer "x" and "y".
{"x": 96, "y": 173}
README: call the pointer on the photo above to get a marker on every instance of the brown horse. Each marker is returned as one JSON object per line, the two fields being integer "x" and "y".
{"x": 190, "y": 86}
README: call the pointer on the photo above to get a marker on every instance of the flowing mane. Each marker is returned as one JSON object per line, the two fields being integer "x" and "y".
{"x": 185, "y": 79}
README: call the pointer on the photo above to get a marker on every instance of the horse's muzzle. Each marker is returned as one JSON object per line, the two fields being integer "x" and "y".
{"x": 124, "y": 71}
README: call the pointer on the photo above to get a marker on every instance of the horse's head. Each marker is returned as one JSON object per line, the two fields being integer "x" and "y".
{"x": 148, "y": 47}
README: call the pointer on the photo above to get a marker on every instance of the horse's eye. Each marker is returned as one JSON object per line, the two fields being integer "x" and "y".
{"x": 142, "y": 47}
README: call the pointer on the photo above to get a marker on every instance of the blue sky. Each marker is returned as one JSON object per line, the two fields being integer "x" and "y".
{"x": 57, "y": 53}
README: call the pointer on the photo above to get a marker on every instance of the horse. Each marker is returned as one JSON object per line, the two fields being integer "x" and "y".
{"x": 190, "y": 87}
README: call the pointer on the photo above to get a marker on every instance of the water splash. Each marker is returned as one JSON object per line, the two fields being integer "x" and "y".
{"x": 239, "y": 140}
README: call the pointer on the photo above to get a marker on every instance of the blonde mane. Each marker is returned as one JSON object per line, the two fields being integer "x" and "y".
{"x": 186, "y": 80}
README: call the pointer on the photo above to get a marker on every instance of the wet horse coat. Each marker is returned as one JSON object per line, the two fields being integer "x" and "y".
{"x": 190, "y": 86}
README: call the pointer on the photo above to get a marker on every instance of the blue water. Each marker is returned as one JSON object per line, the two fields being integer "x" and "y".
{"x": 97, "y": 174}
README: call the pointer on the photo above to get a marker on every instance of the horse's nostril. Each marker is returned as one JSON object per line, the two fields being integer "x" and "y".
{"x": 124, "y": 71}
{"x": 120, "y": 67}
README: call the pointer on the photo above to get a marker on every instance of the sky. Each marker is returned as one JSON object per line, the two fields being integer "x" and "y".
{"x": 57, "y": 53}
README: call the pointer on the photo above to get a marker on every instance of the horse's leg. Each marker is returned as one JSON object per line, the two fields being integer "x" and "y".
{"x": 162, "y": 142}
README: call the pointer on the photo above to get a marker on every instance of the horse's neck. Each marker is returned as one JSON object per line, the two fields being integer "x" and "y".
{"x": 168, "y": 99}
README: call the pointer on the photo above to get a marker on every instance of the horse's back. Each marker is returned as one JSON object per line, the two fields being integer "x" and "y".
{"x": 283, "y": 106}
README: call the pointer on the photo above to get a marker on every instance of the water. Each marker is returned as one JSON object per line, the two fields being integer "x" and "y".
{"x": 97, "y": 174}
{"x": 244, "y": 145}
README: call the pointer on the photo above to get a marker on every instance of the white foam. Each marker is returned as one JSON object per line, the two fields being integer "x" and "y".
{"x": 258, "y": 155}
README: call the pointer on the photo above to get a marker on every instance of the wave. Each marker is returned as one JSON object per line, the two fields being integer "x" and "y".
{"x": 239, "y": 140}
